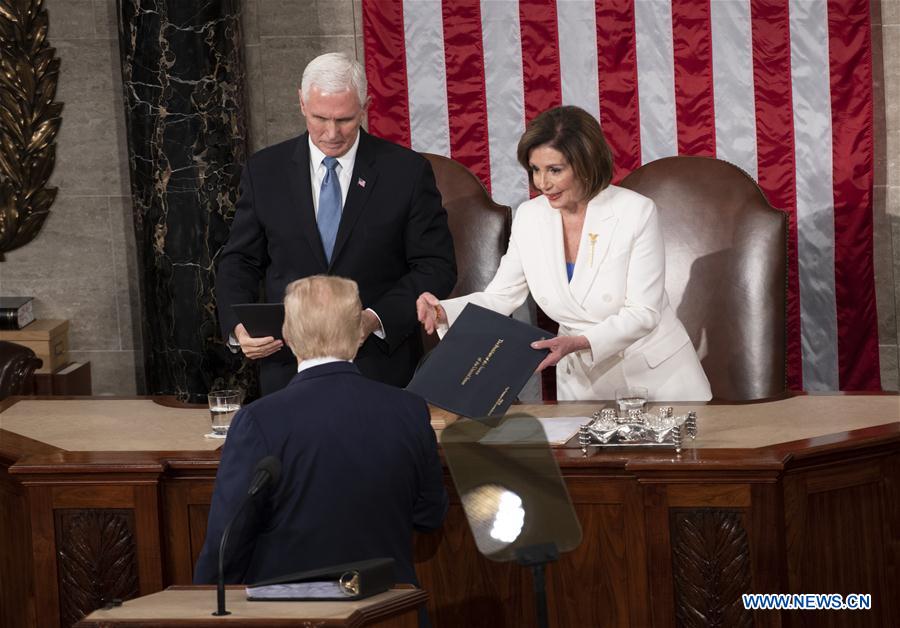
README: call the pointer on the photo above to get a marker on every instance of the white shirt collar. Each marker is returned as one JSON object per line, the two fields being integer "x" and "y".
{"x": 346, "y": 160}
{"x": 311, "y": 362}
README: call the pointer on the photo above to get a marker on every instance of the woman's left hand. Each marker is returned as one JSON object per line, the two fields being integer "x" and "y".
{"x": 560, "y": 347}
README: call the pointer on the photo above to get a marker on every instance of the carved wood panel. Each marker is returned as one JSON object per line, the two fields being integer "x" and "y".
{"x": 710, "y": 567}
{"x": 96, "y": 560}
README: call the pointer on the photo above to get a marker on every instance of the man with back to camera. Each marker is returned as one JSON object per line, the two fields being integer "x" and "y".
{"x": 360, "y": 468}
{"x": 337, "y": 200}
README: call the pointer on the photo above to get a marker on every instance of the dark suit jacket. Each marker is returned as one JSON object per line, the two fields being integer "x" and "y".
{"x": 393, "y": 240}
{"x": 360, "y": 471}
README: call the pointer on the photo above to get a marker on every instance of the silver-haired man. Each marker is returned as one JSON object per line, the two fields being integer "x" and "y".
{"x": 338, "y": 201}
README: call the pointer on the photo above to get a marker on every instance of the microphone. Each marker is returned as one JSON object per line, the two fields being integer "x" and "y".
{"x": 266, "y": 474}
{"x": 268, "y": 471}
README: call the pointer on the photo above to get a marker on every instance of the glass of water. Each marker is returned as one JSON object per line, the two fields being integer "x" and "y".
{"x": 223, "y": 404}
{"x": 630, "y": 398}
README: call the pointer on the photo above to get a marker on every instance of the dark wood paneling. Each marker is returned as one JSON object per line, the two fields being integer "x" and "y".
{"x": 711, "y": 567}
{"x": 43, "y": 542}
{"x": 599, "y": 565}
{"x": 470, "y": 586}
{"x": 845, "y": 553}
{"x": 16, "y": 591}
{"x": 659, "y": 555}
{"x": 186, "y": 505}
{"x": 767, "y": 543}
{"x": 96, "y": 558}
{"x": 198, "y": 515}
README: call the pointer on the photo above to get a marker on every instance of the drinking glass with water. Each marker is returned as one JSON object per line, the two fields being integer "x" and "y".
{"x": 223, "y": 405}
{"x": 630, "y": 398}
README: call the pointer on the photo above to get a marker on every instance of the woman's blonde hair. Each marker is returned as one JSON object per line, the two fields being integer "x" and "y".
{"x": 322, "y": 317}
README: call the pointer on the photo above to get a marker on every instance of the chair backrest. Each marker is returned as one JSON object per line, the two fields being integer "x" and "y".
{"x": 480, "y": 227}
{"x": 726, "y": 277}
{"x": 17, "y": 366}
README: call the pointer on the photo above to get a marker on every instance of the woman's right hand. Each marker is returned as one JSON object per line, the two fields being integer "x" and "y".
{"x": 430, "y": 312}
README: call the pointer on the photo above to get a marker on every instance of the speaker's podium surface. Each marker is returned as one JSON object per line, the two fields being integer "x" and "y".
{"x": 186, "y": 606}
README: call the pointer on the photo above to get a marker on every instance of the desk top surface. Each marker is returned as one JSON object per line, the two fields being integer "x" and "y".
{"x": 195, "y": 605}
{"x": 117, "y": 425}
{"x": 97, "y": 424}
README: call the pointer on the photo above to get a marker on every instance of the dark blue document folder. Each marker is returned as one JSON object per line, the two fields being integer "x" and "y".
{"x": 480, "y": 365}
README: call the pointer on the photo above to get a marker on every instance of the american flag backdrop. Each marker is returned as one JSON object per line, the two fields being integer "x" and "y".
{"x": 781, "y": 88}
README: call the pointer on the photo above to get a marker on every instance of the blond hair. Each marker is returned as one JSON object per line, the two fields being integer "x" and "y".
{"x": 322, "y": 317}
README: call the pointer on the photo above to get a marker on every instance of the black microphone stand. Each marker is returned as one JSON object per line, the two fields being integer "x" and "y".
{"x": 536, "y": 557}
{"x": 268, "y": 469}
{"x": 220, "y": 585}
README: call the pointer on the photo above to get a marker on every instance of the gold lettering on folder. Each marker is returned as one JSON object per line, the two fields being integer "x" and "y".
{"x": 499, "y": 401}
{"x": 480, "y": 363}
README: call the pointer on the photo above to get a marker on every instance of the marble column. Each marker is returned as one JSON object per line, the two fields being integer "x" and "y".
{"x": 183, "y": 77}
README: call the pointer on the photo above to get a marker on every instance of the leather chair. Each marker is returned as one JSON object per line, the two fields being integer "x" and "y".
{"x": 726, "y": 276}
{"x": 480, "y": 227}
{"x": 17, "y": 366}
{"x": 726, "y": 251}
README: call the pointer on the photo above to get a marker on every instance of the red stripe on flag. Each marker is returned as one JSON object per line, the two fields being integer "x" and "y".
{"x": 850, "y": 52}
{"x": 771, "y": 37}
{"x": 386, "y": 70}
{"x": 540, "y": 56}
{"x": 466, "y": 99}
{"x": 617, "y": 69}
{"x": 694, "y": 102}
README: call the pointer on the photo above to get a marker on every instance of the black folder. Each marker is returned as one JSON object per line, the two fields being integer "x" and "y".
{"x": 350, "y": 581}
{"x": 480, "y": 365}
{"x": 261, "y": 319}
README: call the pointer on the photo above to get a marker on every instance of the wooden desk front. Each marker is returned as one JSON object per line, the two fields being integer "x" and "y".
{"x": 800, "y": 496}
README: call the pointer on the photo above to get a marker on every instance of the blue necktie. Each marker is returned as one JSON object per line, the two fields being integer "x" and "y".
{"x": 329, "y": 216}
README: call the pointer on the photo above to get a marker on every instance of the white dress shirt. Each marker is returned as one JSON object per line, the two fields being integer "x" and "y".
{"x": 311, "y": 362}
{"x": 317, "y": 170}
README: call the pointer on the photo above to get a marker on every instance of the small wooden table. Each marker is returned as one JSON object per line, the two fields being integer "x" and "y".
{"x": 185, "y": 606}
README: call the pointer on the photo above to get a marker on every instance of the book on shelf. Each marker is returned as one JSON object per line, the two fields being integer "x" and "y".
{"x": 16, "y": 312}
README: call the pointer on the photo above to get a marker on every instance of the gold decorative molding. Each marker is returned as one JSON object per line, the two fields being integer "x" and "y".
{"x": 29, "y": 121}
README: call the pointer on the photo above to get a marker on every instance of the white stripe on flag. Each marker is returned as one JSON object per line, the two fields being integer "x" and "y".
{"x": 503, "y": 81}
{"x": 732, "y": 52}
{"x": 426, "y": 76}
{"x": 577, "y": 28}
{"x": 811, "y": 90}
{"x": 656, "y": 78}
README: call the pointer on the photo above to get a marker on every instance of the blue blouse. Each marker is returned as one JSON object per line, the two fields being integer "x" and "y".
{"x": 570, "y": 270}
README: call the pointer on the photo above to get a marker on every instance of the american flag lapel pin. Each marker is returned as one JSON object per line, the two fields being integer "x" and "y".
{"x": 361, "y": 182}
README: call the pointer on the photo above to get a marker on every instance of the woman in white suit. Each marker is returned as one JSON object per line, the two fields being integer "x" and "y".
{"x": 593, "y": 258}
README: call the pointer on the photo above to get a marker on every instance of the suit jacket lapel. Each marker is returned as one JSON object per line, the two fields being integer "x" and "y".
{"x": 301, "y": 192}
{"x": 361, "y": 184}
{"x": 596, "y": 237}
{"x": 555, "y": 251}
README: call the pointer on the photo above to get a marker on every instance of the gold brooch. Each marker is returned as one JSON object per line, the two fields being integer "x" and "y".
{"x": 593, "y": 238}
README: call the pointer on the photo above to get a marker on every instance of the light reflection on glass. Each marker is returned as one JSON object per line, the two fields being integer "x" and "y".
{"x": 495, "y": 515}
{"x": 509, "y": 519}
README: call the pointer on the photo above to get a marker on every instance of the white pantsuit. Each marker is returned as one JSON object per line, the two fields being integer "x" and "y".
{"x": 617, "y": 298}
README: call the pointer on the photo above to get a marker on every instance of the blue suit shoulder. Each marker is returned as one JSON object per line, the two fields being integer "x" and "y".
{"x": 320, "y": 382}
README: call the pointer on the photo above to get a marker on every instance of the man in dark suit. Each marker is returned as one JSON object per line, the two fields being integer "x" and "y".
{"x": 360, "y": 467}
{"x": 337, "y": 200}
